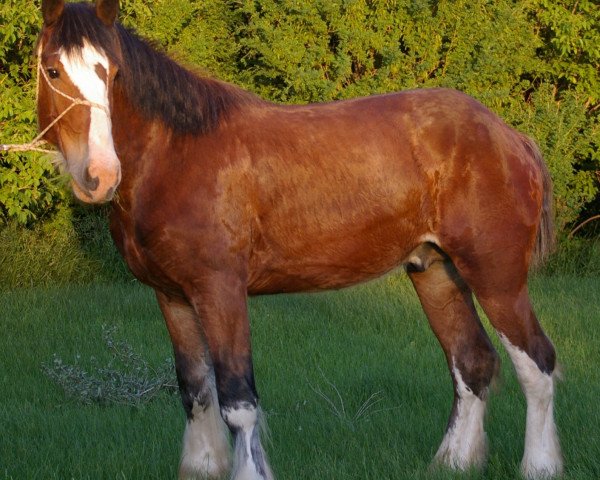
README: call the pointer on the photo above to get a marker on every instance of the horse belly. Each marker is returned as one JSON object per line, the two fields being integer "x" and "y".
{"x": 332, "y": 262}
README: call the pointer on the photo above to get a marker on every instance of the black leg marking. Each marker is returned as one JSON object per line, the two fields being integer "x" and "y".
{"x": 543, "y": 354}
{"x": 193, "y": 386}
{"x": 236, "y": 389}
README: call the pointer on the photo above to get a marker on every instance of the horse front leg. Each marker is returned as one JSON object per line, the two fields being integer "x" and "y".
{"x": 206, "y": 451}
{"x": 221, "y": 304}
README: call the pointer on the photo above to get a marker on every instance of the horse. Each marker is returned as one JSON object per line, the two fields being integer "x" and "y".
{"x": 218, "y": 195}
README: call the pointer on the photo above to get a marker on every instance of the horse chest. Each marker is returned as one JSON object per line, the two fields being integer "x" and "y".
{"x": 141, "y": 260}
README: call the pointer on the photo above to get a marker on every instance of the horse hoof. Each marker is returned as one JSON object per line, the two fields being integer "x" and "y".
{"x": 207, "y": 470}
{"x": 544, "y": 468}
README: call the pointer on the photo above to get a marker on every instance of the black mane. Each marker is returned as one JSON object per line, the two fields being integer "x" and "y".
{"x": 155, "y": 84}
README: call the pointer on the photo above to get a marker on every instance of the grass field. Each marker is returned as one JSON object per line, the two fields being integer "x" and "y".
{"x": 369, "y": 342}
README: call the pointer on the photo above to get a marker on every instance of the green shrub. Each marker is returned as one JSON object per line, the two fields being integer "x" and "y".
{"x": 73, "y": 247}
{"x": 570, "y": 48}
{"x": 294, "y": 51}
{"x": 29, "y": 190}
{"x": 569, "y": 138}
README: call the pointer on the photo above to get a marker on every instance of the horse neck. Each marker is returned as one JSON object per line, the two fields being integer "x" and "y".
{"x": 135, "y": 138}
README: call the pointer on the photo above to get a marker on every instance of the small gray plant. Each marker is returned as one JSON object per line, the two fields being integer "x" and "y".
{"x": 127, "y": 379}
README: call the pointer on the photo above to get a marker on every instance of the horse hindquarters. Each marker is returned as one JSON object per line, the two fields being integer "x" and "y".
{"x": 492, "y": 246}
{"x": 448, "y": 303}
{"x": 472, "y": 360}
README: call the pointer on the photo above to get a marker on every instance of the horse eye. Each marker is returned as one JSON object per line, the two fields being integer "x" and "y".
{"x": 53, "y": 73}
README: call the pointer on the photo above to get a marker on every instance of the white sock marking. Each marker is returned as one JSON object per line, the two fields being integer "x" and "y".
{"x": 250, "y": 458}
{"x": 542, "y": 457}
{"x": 465, "y": 443}
{"x": 205, "y": 443}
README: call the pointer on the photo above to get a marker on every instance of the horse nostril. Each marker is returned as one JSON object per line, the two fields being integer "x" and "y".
{"x": 110, "y": 193}
{"x": 91, "y": 182}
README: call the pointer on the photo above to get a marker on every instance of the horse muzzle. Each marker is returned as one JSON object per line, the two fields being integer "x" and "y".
{"x": 99, "y": 181}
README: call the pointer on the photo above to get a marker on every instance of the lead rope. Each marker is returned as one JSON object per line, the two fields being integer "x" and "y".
{"x": 34, "y": 145}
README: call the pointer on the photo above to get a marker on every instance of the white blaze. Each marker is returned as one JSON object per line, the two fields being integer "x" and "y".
{"x": 81, "y": 69}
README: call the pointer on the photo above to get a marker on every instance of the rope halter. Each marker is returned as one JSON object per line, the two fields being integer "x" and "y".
{"x": 38, "y": 140}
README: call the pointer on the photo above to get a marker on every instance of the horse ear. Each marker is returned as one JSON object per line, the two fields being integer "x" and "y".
{"x": 107, "y": 11}
{"x": 52, "y": 10}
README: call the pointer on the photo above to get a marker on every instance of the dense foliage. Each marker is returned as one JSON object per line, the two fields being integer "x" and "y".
{"x": 29, "y": 190}
{"x": 535, "y": 62}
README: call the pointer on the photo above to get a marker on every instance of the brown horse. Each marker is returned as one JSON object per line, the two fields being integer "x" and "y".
{"x": 218, "y": 195}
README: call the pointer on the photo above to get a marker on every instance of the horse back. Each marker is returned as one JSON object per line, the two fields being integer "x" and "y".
{"x": 344, "y": 192}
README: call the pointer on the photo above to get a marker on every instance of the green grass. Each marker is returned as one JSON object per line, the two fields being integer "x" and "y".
{"x": 577, "y": 256}
{"x": 369, "y": 342}
{"x": 73, "y": 248}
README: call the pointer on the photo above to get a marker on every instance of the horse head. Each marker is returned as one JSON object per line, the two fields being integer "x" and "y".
{"x": 75, "y": 81}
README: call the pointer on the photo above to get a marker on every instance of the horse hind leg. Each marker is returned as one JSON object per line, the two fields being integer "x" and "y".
{"x": 500, "y": 284}
{"x": 534, "y": 365}
{"x": 534, "y": 359}
{"x": 206, "y": 451}
{"x": 472, "y": 360}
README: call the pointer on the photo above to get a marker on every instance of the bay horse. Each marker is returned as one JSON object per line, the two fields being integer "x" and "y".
{"x": 218, "y": 195}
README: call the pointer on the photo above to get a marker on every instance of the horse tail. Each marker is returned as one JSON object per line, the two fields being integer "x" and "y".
{"x": 546, "y": 237}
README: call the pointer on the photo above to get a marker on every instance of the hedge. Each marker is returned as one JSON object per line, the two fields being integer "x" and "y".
{"x": 534, "y": 62}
